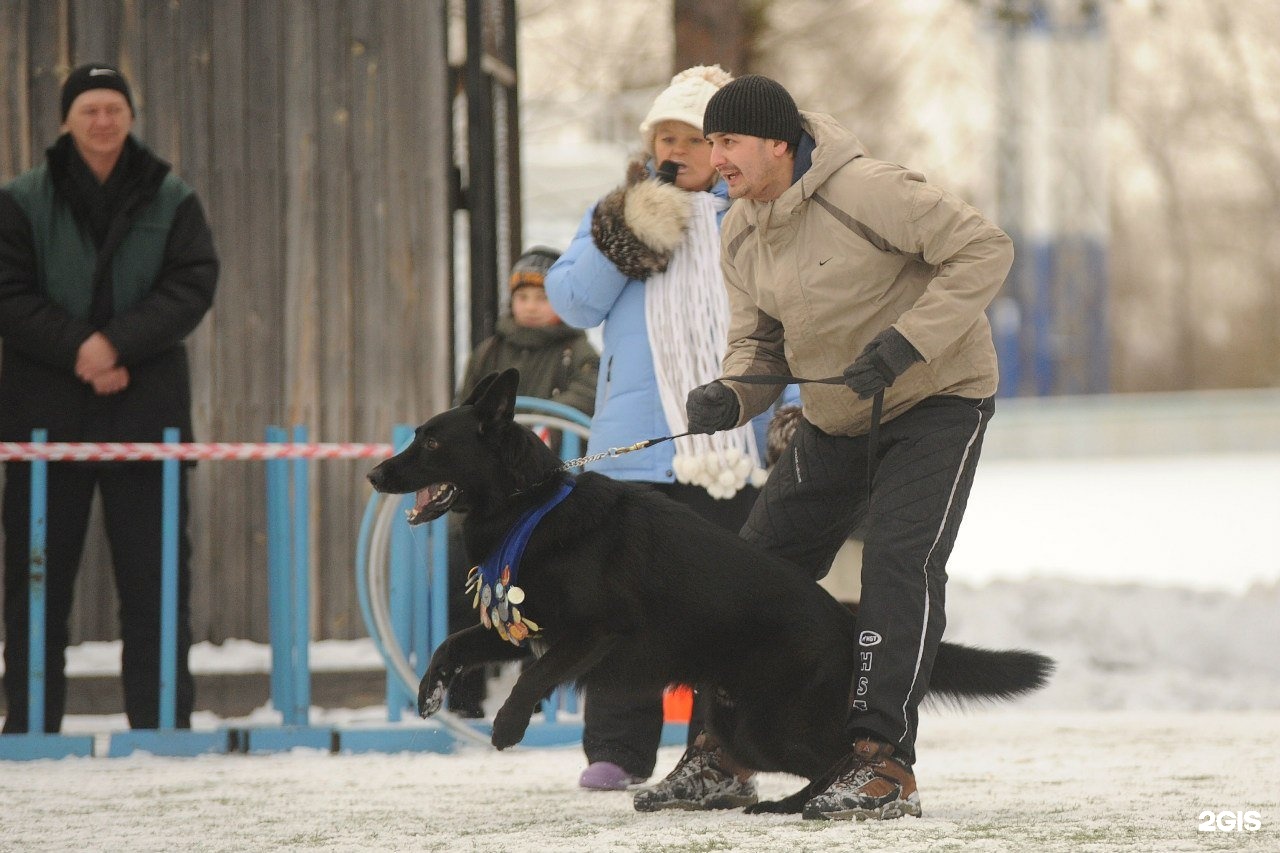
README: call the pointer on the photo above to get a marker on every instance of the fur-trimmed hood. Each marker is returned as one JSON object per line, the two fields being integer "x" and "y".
{"x": 639, "y": 225}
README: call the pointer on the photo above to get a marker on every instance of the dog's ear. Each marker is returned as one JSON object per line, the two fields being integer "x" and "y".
{"x": 496, "y": 398}
{"x": 481, "y": 387}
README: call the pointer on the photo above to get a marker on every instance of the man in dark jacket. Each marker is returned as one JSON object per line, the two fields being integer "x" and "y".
{"x": 106, "y": 264}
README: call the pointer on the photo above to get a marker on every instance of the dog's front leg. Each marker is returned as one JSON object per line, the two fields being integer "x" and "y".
{"x": 565, "y": 660}
{"x": 468, "y": 647}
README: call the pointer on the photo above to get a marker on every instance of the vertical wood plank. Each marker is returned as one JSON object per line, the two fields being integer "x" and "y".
{"x": 208, "y": 482}
{"x": 265, "y": 287}
{"x": 238, "y": 310}
{"x": 305, "y": 300}
{"x": 339, "y": 293}
{"x": 15, "y": 117}
{"x": 46, "y": 69}
{"x": 95, "y": 32}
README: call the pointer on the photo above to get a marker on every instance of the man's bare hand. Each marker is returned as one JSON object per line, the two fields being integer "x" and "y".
{"x": 111, "y": 381}
{"x": 96, "y": 355}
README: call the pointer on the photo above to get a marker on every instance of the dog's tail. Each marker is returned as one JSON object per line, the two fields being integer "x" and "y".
{"x": 963, "y": 673}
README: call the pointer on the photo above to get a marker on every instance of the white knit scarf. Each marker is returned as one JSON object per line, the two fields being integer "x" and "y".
{"x": 687, "y": 312}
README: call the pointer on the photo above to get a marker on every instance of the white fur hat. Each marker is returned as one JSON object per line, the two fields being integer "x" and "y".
{"x": 684, "y": 100}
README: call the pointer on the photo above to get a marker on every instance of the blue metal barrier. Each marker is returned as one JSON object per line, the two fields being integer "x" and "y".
{"x": 36, "y": 579}
{"x": 35, "y": 743}
{"x": 288, "y": 605}
{"x": 419, "y": 605}
{"x": 167, "y": 739}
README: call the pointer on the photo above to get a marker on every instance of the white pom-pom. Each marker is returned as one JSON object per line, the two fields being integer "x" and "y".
{"x": 727, "y": 478}
{"x": 713, "y": 74}
{"x": 742, "y": 468}
{"x": 758, "y": 477}
{"x": 694, "y": 467}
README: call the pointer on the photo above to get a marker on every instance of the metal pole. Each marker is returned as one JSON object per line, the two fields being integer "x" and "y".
{"x": 279, "y": 561}
{"x": 169, "y": 587}
{"x": 301, "y": 585}
{"x": 423, "y": 543}
{"x": 36, "y": 578}
{"x": 440, "y": 582}
{"x": 481, "y": 184}
{"x": 400, "y": 588}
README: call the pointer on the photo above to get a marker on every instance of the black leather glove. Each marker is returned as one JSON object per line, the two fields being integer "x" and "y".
{"x": 711, "y": 408}
{"x": 882, "y": 362}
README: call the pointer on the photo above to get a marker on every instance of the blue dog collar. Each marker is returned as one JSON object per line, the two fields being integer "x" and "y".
{"x": 497, "y": 596}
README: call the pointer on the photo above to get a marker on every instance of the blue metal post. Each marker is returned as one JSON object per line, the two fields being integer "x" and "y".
{"x": 423, "y": 538}
{"x": 400, "y": 588}
{"x": 440, "y": 591}
{"x": 169, "y": 588}
{"x": 35, "y": 743}
{"x": 301, "y": 584}
{"x": 279, "y": 562}
{"x": 36, "y": 589}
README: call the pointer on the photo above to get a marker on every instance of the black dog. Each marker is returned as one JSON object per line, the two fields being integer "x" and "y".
{"x": 621, "y": 588}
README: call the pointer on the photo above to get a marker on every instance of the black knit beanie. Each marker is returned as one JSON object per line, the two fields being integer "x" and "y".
{"x": 530, "y": 269}
{"x": 95, "y": 75}
{"x": 753, "y": 106}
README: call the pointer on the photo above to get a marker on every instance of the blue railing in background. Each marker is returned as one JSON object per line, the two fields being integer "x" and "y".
{"x": 414, "y": 596}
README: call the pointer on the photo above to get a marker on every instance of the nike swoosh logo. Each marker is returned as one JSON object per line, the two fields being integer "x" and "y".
{"x": 820, "y": 263}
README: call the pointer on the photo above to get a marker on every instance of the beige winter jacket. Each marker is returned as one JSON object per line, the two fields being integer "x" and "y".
{"x": 853, "y": 247}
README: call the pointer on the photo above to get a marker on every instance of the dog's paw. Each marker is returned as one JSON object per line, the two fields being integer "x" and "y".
{"x": 508, "y": 728}
{"x": 440, "y": 674}
{"x": 430, "y": 697}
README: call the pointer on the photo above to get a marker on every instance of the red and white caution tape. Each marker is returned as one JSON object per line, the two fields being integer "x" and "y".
{"x": 64, "y": 451}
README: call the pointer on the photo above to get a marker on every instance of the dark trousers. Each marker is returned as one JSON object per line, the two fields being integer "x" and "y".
{"x": 625, "y": 728}
{"x": 817, "y": 494}
{"x": 131, "y": 502}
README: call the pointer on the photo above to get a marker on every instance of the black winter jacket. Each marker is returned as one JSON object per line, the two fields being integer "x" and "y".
{"x": 555, "y": 363}
{"x": 43, "y": 322}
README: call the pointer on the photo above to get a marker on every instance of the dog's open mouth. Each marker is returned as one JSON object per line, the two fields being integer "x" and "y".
{"x": 432, "y": 502}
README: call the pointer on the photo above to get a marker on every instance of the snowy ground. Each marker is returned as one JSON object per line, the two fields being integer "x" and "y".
{"x": 1165, "y": 707}
{"x": 992, "y": 781}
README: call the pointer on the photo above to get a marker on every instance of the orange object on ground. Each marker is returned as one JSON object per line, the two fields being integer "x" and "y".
{"x": 677, "y": 704}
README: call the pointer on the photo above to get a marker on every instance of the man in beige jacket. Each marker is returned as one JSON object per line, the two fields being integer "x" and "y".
{"x": 838, "y": 264}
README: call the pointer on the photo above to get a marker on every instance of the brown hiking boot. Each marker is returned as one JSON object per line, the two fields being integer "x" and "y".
{"x": 873, "y": 785}
{"x": 705, "y": 778}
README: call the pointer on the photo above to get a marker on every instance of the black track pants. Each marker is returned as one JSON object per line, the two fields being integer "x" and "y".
{"x": 131, "y": 500}
{"x": 817, "y": 495}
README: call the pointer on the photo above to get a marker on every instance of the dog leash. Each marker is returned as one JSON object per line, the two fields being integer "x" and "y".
{"x": 873, "y": 435}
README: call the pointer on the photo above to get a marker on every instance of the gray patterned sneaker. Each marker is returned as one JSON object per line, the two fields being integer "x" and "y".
{"x": 699, "y": 782}
{"x": 873, "y": 785}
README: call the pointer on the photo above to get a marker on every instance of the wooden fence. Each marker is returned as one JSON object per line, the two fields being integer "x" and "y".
{"x": 318, "y": 136}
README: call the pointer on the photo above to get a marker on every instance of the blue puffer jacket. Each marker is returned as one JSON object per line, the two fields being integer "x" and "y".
{"x": 586, "y": 289}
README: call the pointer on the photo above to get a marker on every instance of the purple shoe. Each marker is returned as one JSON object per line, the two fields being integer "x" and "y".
{"x": 606, "y": 776}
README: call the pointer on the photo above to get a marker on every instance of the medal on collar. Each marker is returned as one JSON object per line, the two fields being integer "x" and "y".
{"x": 493, "y": 583}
